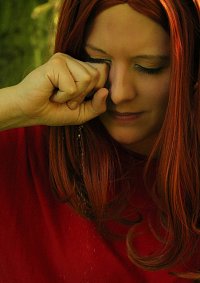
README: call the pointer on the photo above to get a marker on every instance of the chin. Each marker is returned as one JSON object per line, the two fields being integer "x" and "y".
{"x": 126, "y": 138}
{"x": 141, "y": 143}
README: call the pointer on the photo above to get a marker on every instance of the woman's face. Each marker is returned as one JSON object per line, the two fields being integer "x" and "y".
{"x": 137, "y": 50}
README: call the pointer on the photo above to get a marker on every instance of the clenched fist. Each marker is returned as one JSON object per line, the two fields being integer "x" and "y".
{"x": 54, "y": 93}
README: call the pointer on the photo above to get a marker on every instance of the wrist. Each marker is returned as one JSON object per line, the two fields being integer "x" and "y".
{"x": 11, "y": 115}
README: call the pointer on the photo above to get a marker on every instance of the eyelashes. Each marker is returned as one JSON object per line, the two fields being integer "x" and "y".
{"x": 137, "y": 67}
{"x": 98, "y": 60}
{"x": 150, "y": 71}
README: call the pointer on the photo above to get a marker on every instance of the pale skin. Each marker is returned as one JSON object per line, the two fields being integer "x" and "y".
{"x": 54, "y": 93}
{"x": 138, "y": 51}
{"x": 133, "y": 45}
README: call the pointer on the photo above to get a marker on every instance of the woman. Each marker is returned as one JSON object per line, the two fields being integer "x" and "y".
{"x": 123, "y": 106}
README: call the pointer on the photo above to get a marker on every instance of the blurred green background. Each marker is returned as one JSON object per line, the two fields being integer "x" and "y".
{"x": 27, "y": 30}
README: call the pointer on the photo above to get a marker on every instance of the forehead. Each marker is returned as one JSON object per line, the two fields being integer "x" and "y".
{"x": 123, "y": 27}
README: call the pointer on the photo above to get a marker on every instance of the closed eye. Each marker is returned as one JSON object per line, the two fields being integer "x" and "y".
{"x": 150, "y": 71}
{"x": 97, "y": 60}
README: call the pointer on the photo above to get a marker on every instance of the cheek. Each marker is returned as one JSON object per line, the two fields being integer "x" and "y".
{"x": 155, "y": 91}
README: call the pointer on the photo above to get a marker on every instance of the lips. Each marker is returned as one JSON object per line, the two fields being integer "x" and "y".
{"x": 124, "y": 116}
{"x": 124, "y": 113}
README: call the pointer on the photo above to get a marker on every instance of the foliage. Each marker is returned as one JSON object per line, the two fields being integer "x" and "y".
{"x": 26, "y": 33}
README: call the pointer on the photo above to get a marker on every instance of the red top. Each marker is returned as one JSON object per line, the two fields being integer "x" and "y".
{"x": 45, "y": 241}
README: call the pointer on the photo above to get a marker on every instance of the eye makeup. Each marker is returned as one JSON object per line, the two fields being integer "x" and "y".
{"x": 139, "y": 68}
{"x": 149, "y": 71}
{"x": 97, "y": 60}
{"x": 87, "y": 58}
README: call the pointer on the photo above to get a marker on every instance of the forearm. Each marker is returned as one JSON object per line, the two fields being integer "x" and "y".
{"x": 10, "y": 113}
{"x": 45, "y": 96}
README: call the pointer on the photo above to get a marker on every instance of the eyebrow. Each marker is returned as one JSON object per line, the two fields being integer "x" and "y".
{"x": 95, "y": 48}
{"x": 142, "y": 56}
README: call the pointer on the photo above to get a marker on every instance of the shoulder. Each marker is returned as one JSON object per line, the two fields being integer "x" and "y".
{"x": 23, "y": 161}
{"x": 16, "y": 137}
{"x": 23, "y": 143}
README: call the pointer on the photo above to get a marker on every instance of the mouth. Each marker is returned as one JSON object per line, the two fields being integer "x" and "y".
{"x": 124, "y": 116}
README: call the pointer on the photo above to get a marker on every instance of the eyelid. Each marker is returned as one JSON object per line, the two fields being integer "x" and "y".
{"x": 98, "y": 60}
{"x": 148, "y": 70}
{"x": 139, "y": 68}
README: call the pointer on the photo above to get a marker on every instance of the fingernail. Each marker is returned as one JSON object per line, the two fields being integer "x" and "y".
{"x": 72, "y": 105}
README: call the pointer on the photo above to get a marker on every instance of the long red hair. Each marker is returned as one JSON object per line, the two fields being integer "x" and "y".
{"x": 85, "y": 162}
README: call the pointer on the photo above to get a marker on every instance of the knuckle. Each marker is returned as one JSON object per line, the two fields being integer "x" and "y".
{"x": 71, "y": 90}
{"x": 87, "y": 78}
{"x": 57, "y": 54}
{"x": 58, "y": 58}
{"x": 96, "y": 74}
{"x": 55, "y": 60}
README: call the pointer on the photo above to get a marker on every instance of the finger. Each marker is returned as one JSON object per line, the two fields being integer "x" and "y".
{"x": 94, "y": 78}
{"x": 62, "y": 80}
{"x": 62, "y": 115}
{"x": 81, "y": 75}
{"x": 103, "y": 70}
{"x": 93, "y": 108}
{"x": 82, "y": 79}
{"x": 73, "y": 73}
{"x": 99, "y": 74}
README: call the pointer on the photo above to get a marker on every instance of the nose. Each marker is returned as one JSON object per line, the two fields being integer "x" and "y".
{"x": 121, "y": 85}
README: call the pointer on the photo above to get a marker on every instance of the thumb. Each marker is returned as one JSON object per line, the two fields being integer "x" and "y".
{"x": 59, "y": 114}
{"x": 95, "y": 107}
